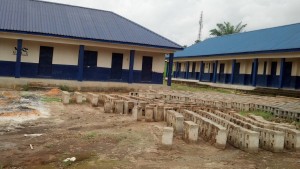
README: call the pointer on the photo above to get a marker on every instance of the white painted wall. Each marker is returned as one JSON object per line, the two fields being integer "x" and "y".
{"x": 7, "y": 47}
{"x": 68, "y": 54}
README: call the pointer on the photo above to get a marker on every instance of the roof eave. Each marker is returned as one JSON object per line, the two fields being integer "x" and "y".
{"x": 91, "y": 39}
{"x": 243, "y": 53}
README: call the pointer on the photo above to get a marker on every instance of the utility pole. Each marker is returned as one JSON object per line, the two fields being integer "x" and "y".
{"x": 200, "y": 26}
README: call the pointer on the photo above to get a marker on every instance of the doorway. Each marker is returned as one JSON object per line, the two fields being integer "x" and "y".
{"x": 221, "y": 73}
{"x": 236, "y": 73}
{"x": 45, "y": 61}
{"x": 147, "y": 69}
{"x": 287, "y": 74}
{"x": 116, "y": 66}
{"x": 90, "y": 65}
{"x": 272, "y": 82}
{"x": 193, "y": 70}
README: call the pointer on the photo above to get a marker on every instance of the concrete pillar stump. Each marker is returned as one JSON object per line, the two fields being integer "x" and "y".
{"x": 65, "y": 97}
{"x": 190, "y": 132}
{"x": 149, "y": 113}
{"x": 119, "y": 106}
{"x": 167, "y": 137}
{"x": 78, "y": 97}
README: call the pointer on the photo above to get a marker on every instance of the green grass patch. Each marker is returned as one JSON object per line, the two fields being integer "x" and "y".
{"x": 265, "y": 115}
{"x": 199, "y": 88}
{"x": 50, "y": 99}
{"x": 90, "y": 135}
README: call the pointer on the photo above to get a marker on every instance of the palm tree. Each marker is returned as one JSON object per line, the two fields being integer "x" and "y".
{"x": 227, "y": 28}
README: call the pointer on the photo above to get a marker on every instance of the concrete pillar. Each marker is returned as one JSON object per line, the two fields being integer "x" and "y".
{"x": 65, "y": 97}
{"x": 190, "y": 131}
{"x": 159, "y": 113}
{"x": 232, "y": 71}
{"x": 78, "y": 97}
{"x": 108, "y": 107}
{"x": 149, "y": 113}
{"x": 80, "y": 63}
{"x": 282, "y": 67}
{"x": 94, "y": 100}
{"x": 128, "y": 106}
{"x": 131, "y": 65}
{"x": 167, "y": 137}
{"x": 119, "y": 106}
{"x": 135, "y": 111}
{"x": 18, "y": 58}
{"x": 255, "y": 69}
{"x": 171, "y": 57}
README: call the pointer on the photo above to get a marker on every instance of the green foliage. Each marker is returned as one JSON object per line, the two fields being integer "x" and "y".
{"x": 197, "y": 41}
{"x": 265, "y": 115}
{"x": 183, "y": 87}
{"x": 25, "y": 87}
{"x": 65, "y": 88}
{"x": 226, "y": 28}
{"x": 50, "y": 99}
{"x": 91, "y": 135}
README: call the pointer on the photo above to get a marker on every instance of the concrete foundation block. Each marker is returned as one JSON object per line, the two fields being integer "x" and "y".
{"x": 119, "y": 106}
{"x": 78, "y": 97}
{"x": 108, "y": 107}
{"x": 65, "y": 97}
{"x": 167, "y": 137}
{"x": 221, "y": 139}
{"x": 128, "y": 107}
{"x": 94, "y": 100}
{"x": 159, "y": 113}
{"x": 175, "y": 120}
{"x": 190, "y": 132}
{"x": 149, "y": 113}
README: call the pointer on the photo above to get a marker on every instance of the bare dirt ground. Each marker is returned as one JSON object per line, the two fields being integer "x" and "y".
{"x": 100, "y": 140}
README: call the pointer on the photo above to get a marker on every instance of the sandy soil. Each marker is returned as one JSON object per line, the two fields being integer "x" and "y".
{"x": 100, "y": 140}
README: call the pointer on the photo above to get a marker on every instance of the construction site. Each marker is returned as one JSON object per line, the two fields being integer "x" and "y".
{"x": 147, "y": 128}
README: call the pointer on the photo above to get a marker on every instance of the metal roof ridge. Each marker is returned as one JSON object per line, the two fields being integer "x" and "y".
{"x": 148, "y": 30}
{"x": 241, "y": 33}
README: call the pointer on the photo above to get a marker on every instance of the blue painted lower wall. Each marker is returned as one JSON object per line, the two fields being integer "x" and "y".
{"x": 68, "y": 72}
{"x": 246, "y": 79}
{"x": 7, "y": 68}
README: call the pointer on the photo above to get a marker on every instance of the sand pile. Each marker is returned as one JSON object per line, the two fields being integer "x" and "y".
{"x": 54, "y": 92}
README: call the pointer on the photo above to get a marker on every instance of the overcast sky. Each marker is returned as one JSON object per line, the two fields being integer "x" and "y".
{"x": 178, "y": 20}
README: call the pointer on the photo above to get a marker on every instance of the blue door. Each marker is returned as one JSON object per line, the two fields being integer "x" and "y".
{"x": 222, "y": 73}
{"x": 116, "y": 66}
{"x": 90, "y": 65}
{"x": 194, "y": 70}
{"x": 45, "y": 61}
{"x": 273, "y": 79}
{"x": 236, "y": 73}
{"x": 287, "y": 74}
{"x": 179, "y": 71}
{"x": 147, "y": 69}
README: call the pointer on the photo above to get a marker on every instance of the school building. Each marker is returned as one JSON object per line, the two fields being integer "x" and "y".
{"x": 262, "y": 58}
{"x": 46, "y": 40}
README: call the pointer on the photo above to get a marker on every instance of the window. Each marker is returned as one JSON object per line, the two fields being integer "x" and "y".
{"x": 90, "y": 59}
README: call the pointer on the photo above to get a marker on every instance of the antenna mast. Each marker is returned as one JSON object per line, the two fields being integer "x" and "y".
{"x": 200, "y": 26}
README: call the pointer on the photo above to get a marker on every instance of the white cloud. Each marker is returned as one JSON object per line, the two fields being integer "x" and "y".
{"x": 178, "y": 20}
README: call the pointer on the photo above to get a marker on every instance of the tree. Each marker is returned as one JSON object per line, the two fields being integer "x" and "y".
{"x": 226, "y": 28}
{"x": 197, "y": 41}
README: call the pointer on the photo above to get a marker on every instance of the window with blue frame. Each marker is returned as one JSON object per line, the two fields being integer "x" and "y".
{"x": 90, "y": 58}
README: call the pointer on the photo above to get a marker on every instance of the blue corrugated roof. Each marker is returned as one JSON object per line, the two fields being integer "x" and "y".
{"x": 37, "y": 17}
{"x": 265, "y": 40}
